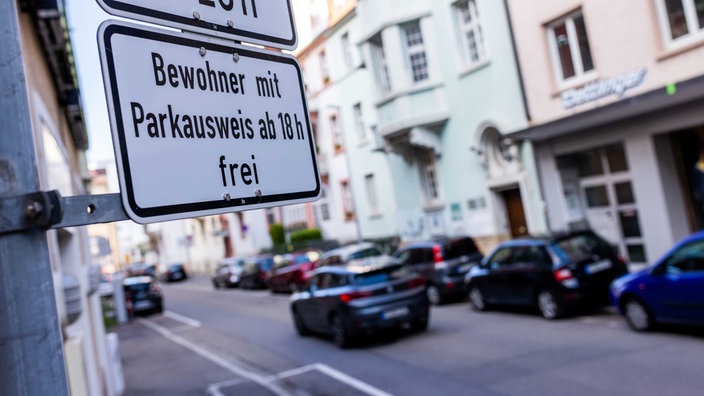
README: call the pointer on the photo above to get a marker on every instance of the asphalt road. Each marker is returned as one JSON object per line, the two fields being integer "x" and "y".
{"x": 240, "y": 342}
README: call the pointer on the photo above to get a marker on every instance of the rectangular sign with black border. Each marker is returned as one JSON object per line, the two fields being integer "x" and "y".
{"x": 265, "y": 22}
{"x": 203, "y": 127}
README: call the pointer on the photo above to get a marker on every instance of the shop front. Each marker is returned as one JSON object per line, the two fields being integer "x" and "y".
{"x": 633, "y": 171}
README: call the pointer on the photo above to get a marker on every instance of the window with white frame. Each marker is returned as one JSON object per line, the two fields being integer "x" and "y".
{"x": 336, "y": 132}
{"x": 347, "y": 51}
{"x": 429, "y": 177}
{"x": 372, "y": 197}
{"x": 381, "y": 67}
{"x": 359, "y": 122}
{"x": 682, "y": 19}
{"x": 569, "y": 46}
{"x": 347, "y": 204}
{"x": 470, "y": 31}
{"x": 324, "y": 71}
{"x": 415, "y": 50}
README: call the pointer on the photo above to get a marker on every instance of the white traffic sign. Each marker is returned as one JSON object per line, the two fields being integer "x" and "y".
{"x": 265, "y": 22}
{"x": 202, "y": 128}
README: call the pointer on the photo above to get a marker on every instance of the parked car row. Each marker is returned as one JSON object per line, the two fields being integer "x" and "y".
{"x": 354, "y": 290}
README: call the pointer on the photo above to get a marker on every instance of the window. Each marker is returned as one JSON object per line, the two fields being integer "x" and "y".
{"x": 359, "y": 123}
{"x": 347, "y": 51}
{"x": 682, "y": 18}
{"x": 688, "y": 258}
{"x": 336, "y": 132}
{"x": 430, "y": 177}
{"x": 415, "y": 50}
{"x": 569, "y": 45}
{"x": 347, "y": 204}
{"x": 324, "y": 72}
{"x": 470, "y": 32}
{"x": 372, "y": 198}
{"x": 380, "y": 65}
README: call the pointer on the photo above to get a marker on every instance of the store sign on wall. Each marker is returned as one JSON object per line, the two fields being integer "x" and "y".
{"x": 602, "y": 88}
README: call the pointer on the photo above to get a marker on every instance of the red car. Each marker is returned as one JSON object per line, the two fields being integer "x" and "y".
{"x": 290, "y": 271}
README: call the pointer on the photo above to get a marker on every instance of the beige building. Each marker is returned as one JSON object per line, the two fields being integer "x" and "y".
{"x": 615, "y": 91}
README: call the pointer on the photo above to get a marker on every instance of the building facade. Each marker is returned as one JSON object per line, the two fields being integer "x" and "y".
{"x": 413, "y": 100}
{"x": 615, "y": 97}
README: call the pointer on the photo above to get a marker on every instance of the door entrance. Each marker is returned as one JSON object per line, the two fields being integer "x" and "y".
{"x": 515, "y": 212}
{"x": 606, "y": 196}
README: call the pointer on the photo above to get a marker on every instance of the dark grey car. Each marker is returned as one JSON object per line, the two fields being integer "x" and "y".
{"x": 443, "y": 263}
{"x": 361, "y": 297}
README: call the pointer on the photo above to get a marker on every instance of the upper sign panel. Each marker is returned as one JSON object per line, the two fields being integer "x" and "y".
{"x": 265, "y": 22}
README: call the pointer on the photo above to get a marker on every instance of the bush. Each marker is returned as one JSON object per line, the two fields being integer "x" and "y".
{"x": 276, "y": 231}
{"x": 310, "y": 234}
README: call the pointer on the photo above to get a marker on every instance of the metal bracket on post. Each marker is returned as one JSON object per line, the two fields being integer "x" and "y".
{"x": 48, "y": 209}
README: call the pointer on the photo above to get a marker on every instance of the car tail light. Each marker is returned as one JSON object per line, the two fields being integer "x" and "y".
{"x": 347, "y": 297}
{"x": 563, "y": 274}
{"x": 415, "y": 282}
{"x": 437, "y": 257}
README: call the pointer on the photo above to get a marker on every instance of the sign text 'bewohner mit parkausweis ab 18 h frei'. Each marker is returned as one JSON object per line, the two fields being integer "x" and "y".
{"x": 203, "y": 127}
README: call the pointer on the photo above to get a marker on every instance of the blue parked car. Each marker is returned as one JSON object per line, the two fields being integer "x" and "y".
{"x": 669, "y": 291}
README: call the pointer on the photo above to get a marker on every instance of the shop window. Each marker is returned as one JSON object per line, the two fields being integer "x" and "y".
{"x": 630, "y": 226}
{"x": 616, "y": 158}
{"x": 624, "y": 193}
{"x": 636, "y": 253}
{"x": 569, "y": 45}
{"x": 589, "y": 163}
{"x": 597, "y": 196}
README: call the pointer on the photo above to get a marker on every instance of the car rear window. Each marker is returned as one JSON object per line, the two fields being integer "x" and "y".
{"x": 459, "y": 248}
{"x": 137, "y": 287}
{"x": 580, "y": 246}
{"x": 380, "y": 276}
{"x": 368, "y": 252}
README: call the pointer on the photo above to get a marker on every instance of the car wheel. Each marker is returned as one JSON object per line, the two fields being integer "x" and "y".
{"x": 434, "y": 295}
{"x": 216, "y": 284}
{"x": 637, "y": 315}
{"x": 340, "y": 335}
{"x": 550, "y": 307}
{"x": 301, "y": 327}
{"x": 477, "y": 299}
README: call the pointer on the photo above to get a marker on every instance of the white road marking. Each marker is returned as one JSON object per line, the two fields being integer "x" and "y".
{"x": 182, "y": 319}
{"x": 268, "y": 382}
{"x": 220, "y": 361}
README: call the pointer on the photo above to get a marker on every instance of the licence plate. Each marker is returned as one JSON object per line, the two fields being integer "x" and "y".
{"x": 395, "y": 313}
{"x": 598, "y": 266}
{"x": 142, "y": 305}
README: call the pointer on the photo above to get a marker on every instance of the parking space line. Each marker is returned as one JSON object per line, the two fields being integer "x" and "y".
{"x": 229, "y": 366}
{"x": 268, "y": 382}
{"x": 182, "y": 319}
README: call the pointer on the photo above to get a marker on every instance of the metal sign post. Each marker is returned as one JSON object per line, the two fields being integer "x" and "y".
{"x": 31, "y": 354}
{"x": 203, "y": 127}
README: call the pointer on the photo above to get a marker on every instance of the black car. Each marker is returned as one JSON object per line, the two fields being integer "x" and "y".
{"x": 255, "y": 272}
{"x": 443, "y": 263}
{"x": 361, "y": 297}
{"x": 142, "y": 295}
{"x": 551, "y": 272}
{"x": 173, "y": 273}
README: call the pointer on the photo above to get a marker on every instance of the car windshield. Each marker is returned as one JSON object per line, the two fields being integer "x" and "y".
{"x": 460, "y": 248}
{"x": 580, "y": 246}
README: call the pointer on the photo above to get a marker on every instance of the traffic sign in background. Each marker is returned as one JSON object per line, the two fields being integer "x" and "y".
{"x": 202, "y": 128}
{"x": 265, "y": 22}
